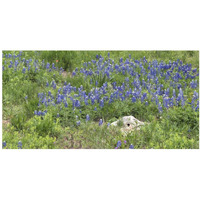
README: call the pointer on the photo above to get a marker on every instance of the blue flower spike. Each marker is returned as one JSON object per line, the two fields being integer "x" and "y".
{"x": 4, "y": 144}
{"x": 19, "y": 145}
{"x": 87, "y": 117}
{"x": 100, "y": 122}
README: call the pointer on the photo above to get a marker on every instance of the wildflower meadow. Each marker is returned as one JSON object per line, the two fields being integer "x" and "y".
{"x": 69, "y": 99}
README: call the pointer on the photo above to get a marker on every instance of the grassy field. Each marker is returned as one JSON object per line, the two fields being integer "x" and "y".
{"x": 68, "y": 99}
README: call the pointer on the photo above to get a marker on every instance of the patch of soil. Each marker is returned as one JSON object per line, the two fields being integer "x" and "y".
{"x": 6, "y": 122}
{"x": 65, "y": 74}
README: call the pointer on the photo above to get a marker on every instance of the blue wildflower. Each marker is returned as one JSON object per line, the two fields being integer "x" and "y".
{"x": 78, "y": 123}
{"x": 19, "y": 145}
{"x": 101, "y": 103}
{"x": 131, "y": 147}
{"x": 119, "y": 143}
{"x": 4, "y": 144}
{"x": 127, "y": 79}
{"x": 100, "y": 122}
{"x": 73, "y": 73}
{"x": 87, "y": 117}
{"x": 54, "y": 86}
{"x": 133, "y": 99}
{"x": 24, "y": 70}
{"x": 160, "y": 108}
{"x": 197, "y": 107}
{"x": 66, "y": 105}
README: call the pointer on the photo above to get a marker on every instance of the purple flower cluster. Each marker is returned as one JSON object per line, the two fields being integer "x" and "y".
{"x": 143, "y": 82}
{"x": 119, "y": 144}
{"x": 19, "y": 145}
{"x": 17, "y": 63}
{"x": 4, "y": 144}
{"x": 40, "y": 113}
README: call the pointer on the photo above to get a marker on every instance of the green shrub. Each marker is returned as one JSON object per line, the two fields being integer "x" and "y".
{"x": 29, "y": 140}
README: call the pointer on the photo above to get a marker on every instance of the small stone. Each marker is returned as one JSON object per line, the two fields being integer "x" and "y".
{"x": 129, "y": 123}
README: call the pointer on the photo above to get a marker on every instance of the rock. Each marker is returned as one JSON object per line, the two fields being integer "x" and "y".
{"x": 128, "y": 124}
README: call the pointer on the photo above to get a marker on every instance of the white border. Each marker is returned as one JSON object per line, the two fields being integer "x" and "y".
{"x": 101, "y": 25}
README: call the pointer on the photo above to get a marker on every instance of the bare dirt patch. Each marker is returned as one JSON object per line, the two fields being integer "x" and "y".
{"x": 6, "y": 122}
{"x": 65, "y": 74}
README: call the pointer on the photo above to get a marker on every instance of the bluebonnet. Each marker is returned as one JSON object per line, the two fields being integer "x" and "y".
{"x": 59, "y": 100}
{"x": 197, "y": 107}
{"x": 131, "y": 147}
{"x": 78, "y": 123}
{"x": 133, "y": 99}
{"x": 194, "y": 70}
{"x": 73, "y": 73}
{"x": 127, "y": 79}
{"x": 100, "y": 122}
{"x": 54, "y": 86}
{"x": 19, "y": 145}
{"x": 42, "y": 113}
{"x": 174, "y": 93}
{"x": 156, "y": 100}
{"x": 4, "y": 144}
{"x": 87, "y": 117}
{"x": 108, "y": 124}
{"x": 193, "y": 84}
{"x": 160, "y": 107}
{"x": 24, "y": 70}
{"x": 86, "y": 101}
{"x": 66, "y": 105}
{"x": 166, "y": 102}
{"x": 101, "y": 103}
{"x": 119, "y": 143}
{"x": 195, "y": 97}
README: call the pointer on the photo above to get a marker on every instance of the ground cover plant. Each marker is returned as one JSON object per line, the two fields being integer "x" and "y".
{"x": 68, "y": 99}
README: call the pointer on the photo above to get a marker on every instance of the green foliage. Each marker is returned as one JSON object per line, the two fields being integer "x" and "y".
{"x": 86, "y": 136}
{"x": 45, "y": 125}
{"x": 29, "y": 140}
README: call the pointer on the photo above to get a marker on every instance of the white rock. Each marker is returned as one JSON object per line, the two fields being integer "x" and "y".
{"x": 129, "y": 123}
